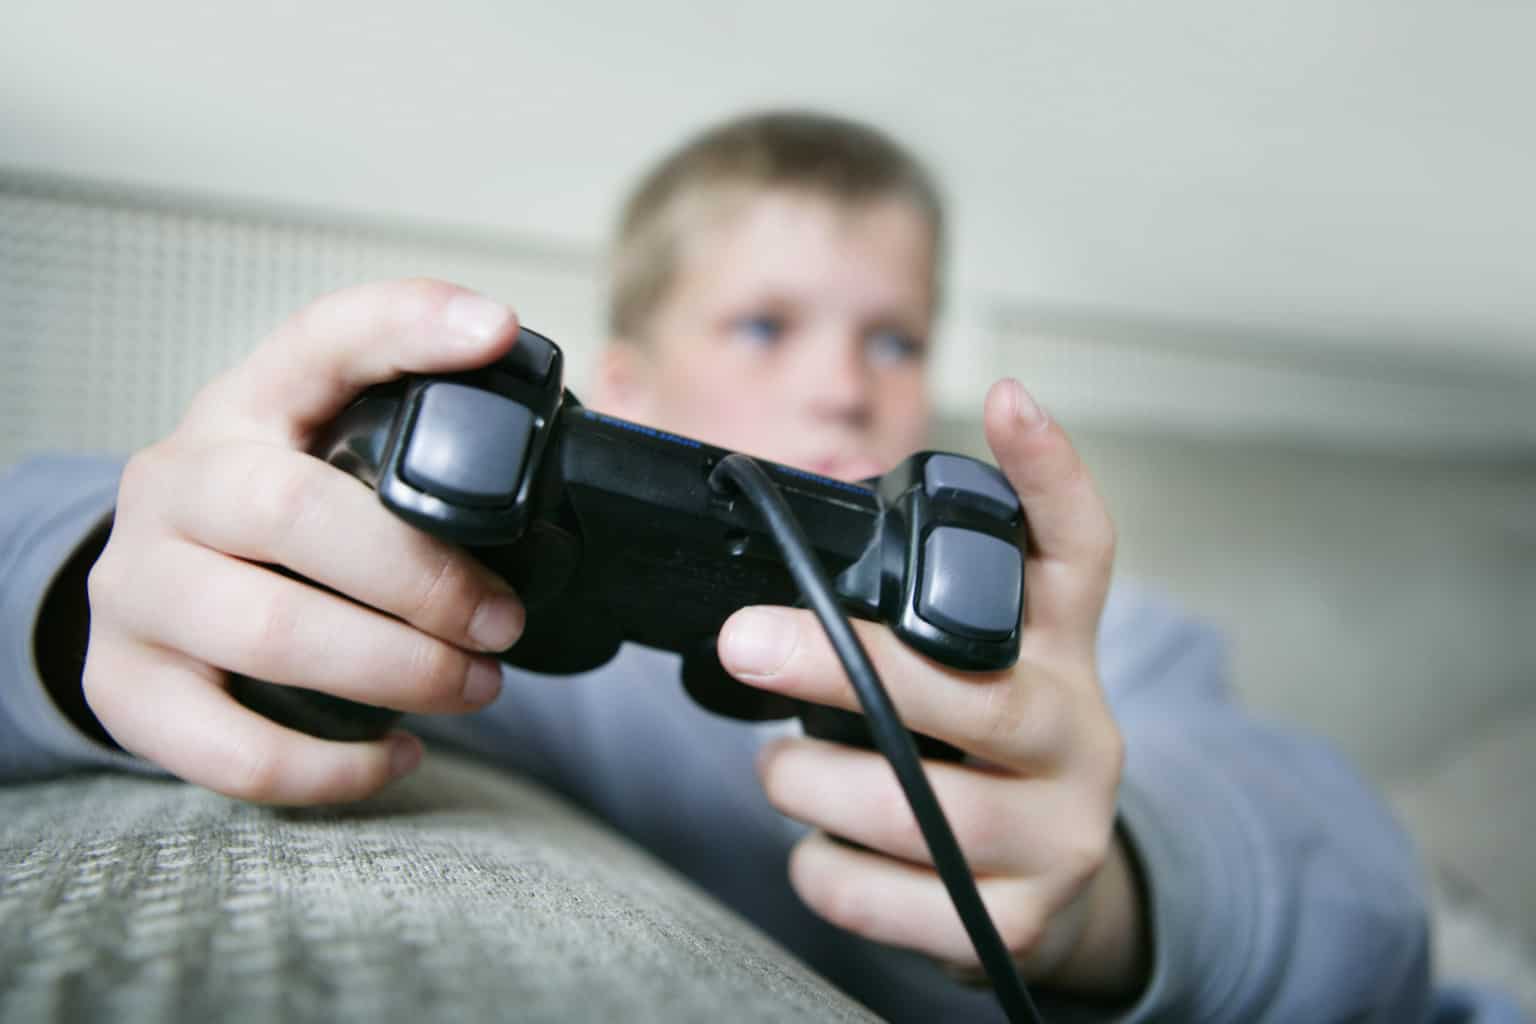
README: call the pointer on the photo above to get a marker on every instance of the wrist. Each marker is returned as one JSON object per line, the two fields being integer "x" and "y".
{"x": 1112, "y": 959}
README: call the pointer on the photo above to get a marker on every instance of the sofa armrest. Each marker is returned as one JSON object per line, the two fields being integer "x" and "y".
{"x": 459, "y": 893}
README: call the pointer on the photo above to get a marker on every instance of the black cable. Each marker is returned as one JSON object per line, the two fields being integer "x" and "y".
{"x": 891, "y": 737}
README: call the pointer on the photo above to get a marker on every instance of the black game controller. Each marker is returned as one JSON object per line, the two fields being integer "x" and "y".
{"x": 611, "y": 531}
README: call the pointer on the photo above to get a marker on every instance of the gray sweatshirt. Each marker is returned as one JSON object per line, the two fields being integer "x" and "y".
{"x": 1279, "y": 887}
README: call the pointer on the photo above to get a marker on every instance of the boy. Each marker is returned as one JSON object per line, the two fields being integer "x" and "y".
{"x": 775, "y": 283}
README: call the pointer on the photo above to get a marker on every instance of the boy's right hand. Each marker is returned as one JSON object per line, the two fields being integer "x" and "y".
{"x": 180, "y": 597}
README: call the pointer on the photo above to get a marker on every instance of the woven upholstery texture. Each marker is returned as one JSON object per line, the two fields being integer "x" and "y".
{"x": 458, "y": 894}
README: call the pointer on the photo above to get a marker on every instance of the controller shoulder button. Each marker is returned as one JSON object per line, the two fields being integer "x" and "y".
{"x": 972, "y": 583}
{"x": 467, "y": 445}
{"x": 973, "y": 483}
{"x": 530, "y": 356}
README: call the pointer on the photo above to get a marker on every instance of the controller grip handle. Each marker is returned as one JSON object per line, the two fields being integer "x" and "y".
{"x": 310, "y": 711}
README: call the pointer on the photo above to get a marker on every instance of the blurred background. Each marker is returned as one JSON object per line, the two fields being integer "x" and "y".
{"x": 1274, "y": 265}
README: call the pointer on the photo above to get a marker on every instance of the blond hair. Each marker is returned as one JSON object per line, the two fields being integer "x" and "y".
{"x": 818, "y": 154}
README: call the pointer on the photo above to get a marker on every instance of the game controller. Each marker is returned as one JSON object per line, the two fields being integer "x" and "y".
{"x": 611, "y": 531}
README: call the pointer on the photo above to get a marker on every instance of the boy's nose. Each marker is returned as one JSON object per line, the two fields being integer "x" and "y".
{"x": 837, "y": 385}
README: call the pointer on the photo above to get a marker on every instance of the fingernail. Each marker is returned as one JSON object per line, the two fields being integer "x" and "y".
{"x": 757, "y": 642}
{"x": 498, "y": 622}
{"x": 404, "y": 755}
{"x": 483, "y": 682}
{"x": 476, "y": 318}
{"x": 1027, "y": 409}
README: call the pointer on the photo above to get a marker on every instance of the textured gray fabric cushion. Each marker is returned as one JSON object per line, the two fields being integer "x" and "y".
{"x": 459, "y": 894}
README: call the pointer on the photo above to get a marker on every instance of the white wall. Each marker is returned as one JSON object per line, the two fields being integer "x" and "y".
{"x": 116, "y": 307}
{"x": 1350, "y": 172}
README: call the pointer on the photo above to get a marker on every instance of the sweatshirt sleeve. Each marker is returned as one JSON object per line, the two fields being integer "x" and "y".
{"x": 48, "y": 507}
{"x": 1279, "y": 887}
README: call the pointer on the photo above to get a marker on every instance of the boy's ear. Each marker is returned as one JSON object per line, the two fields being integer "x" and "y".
{"x": 622, "y": 384}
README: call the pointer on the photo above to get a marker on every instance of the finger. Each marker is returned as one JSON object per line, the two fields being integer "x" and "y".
{"x": 270, "y": 504}
{"x": 168, "y": 709}
{"x": 1072, "y": 536}
{"x": 907, "y": 905}
{"x": 1017, "y": 718}
{"x": 243, "y": 618}
{"x": 319, "y": 360}
{"x": 1004, "y": 824}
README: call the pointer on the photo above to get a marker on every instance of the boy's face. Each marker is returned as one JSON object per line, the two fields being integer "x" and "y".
{"x": 795, "y": 330}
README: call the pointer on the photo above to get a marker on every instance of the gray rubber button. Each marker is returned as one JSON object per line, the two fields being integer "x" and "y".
{"x": 973, "y": 583}
{"x": 467, "y": 446}
{"x": 530, "y": 356}
{"x": 983, "y": 487}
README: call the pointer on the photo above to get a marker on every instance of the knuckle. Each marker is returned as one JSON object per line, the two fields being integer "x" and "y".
{"x": 1021, "y": 926}
{"x": 104, "y": 583}
{"x": 399, "y": 306}
{"x": 352, "y": 778}
{"x": 416, "y": 301}
{"x": 272, "y": 625}
{"x": 1000, "y": 713}
{"x": 832, "y": 893}
{"x": 436, "y": 672}
{"x": 985, "y": 832}
{"x": 313, "y": 320}
{"x": 285, "y": 502}
{"x": 209, "y": 406}
{"x": 1083, "y": 854}
{"x": 1021, "y": 715}
{"x": 423, "y": 600}
{"x": 900, "y": 828}
{"x": 253, "y": 772}
{"x": 140, "y": 478}
{"x": 382, "y": 303}
{"x": 320, "y": 317}
{"x": 446, "y": 597}
{"x": 1071, "y": 477}
{"x": 1102, "y": 756}
{"x": 93, "y": 682}
{"x": 847, "y": 906}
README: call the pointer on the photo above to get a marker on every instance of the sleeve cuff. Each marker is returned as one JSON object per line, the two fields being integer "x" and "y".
{"x": 77, "y": 495}
{"x": 1207, "y": 879}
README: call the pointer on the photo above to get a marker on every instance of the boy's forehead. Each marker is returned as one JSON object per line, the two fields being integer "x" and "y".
{"x": 876, "y": 250}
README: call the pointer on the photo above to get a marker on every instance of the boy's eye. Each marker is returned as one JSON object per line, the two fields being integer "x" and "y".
{"x": 760, "y": 329}
{"x": 892, "y": 348}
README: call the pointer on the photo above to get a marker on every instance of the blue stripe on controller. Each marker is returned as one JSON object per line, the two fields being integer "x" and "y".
{"x": 841, "y": 485}
{"x": 662, "y": 435}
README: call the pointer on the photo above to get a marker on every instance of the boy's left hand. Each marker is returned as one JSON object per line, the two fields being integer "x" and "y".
{"x": 1034, "y": 812}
